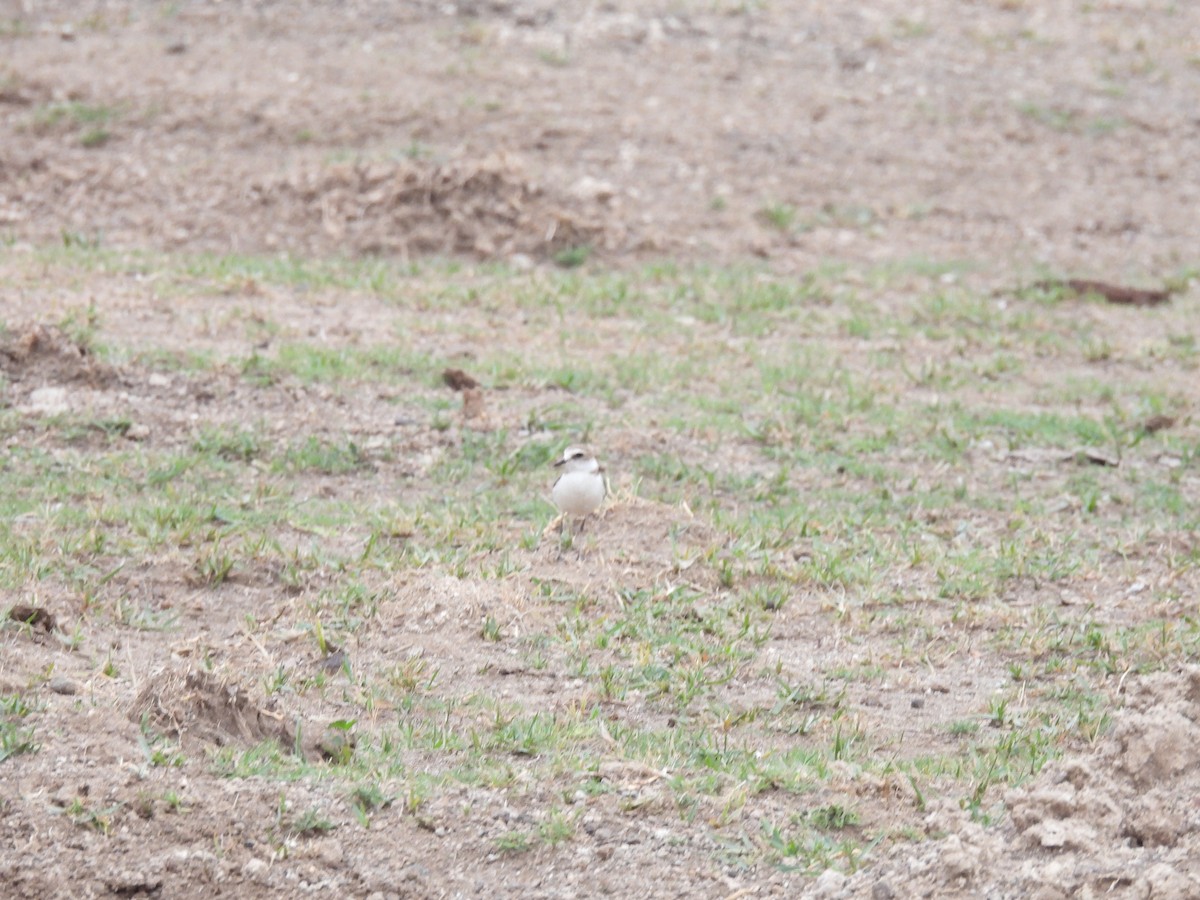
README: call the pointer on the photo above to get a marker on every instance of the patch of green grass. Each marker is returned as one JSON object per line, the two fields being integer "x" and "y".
{"x": 854, "y": 474}
{"x": 328, "y": 457}
{"x": 780, "y": 216}
{"x": 332, "y": 365}
{"x": 512, "y": 842}
{"x": 159, "y": 751}
{"x": 235, "y": 444}
{"x": 91, "y": 815}
{"x": 306, "y": 824}
{"x": 907, "y": 29}
{"x": 89, "y": 122}
{"x": 267, "y": 759}
{"x": 800, "y": 849}
{"x": 145, "y": 618}
{"x": 833, "y": 817}
{"x": 558, "y": 59}
{"x": 11, "y": 27}
{"x": 185, "y": 361}
{"x": 16, "y": 736}
{"x": 1019, "y": 428}
{"x": 1052, "y": 116}
{"x": 232, "y": 272}
{"x": 557, "y": 828}
{"x": 174, "y": 802}
{"x": 573, "y": 257}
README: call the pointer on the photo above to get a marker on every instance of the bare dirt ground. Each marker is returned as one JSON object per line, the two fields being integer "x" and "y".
{"x": 1021, "y": 138}
{"x": 1058, "y": 133}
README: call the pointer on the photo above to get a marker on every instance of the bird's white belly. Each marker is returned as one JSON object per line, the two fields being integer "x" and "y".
{"x": 579, "y": 493}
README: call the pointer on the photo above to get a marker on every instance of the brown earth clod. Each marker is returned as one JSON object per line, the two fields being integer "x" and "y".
{"x": 481, "y": 208}
{"x": 34, "y": 616}
{"x": 46, "y": 353}
{"x": 207, "y": 708}
{"x": 458, "y": 380}
{"x": 1158, "y": 423}
{"x": 1118, "y": 294}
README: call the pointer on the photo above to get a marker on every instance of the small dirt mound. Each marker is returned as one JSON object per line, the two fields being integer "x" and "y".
{"x": 484, "y": 209}
{"x": 1122, "y": 821}
{"x": 47, "y": 354}
{"x": 208, "y": 709}
{"x": 631, "y": 535}
{"x": 636, "y": 522}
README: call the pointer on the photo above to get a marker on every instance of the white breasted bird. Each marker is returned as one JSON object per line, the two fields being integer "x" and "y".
{"x": 579, "y": 490}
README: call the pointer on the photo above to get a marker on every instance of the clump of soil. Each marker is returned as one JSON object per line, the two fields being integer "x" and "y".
{"x": 201, "y": 707}
{"x": 34, "y": 617}
{"x": 46, "y": 354}
{"x": 480, "y": 208}
{"x": 1120, "y": 821}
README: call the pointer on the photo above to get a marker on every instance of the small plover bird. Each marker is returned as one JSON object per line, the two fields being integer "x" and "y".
{"x": 579, "y": 490}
